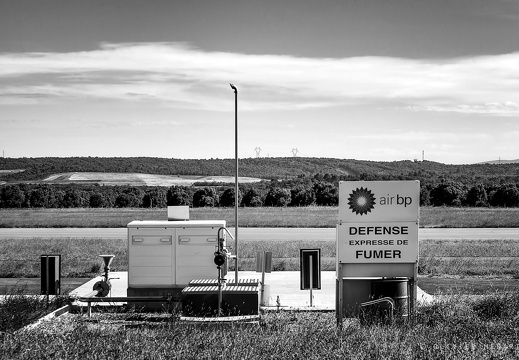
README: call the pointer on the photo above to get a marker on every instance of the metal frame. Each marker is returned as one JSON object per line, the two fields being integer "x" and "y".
{"x": 351, "y": 271}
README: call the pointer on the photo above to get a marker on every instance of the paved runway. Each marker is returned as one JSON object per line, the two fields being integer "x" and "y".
{"x": 262, "y": 234}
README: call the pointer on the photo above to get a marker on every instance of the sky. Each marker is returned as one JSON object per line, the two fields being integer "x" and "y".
{"x": 381, "y": 80}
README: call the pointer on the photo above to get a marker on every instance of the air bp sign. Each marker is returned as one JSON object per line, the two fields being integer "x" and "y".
{"x": 371, "y": 201}
{"x": 378, "y": 221}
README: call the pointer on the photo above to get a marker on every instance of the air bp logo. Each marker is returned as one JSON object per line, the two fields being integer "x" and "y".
{"x": 361, "y": 201}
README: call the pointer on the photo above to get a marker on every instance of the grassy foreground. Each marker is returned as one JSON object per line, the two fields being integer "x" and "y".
{"x": 18, "y": 310}
{"x": 454, "y": 327}
{"x": 312, "y": 216}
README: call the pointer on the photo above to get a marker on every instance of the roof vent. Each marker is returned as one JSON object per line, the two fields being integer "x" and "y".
{"x": 178, "y": 213}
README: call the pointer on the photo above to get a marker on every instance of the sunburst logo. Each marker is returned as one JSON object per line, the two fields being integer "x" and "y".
{"x": 361, "y": 201}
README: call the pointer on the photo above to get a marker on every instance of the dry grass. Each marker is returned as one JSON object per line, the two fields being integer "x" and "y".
{"x": 447, "y": 257}
{"x": 115, "y": 217}
{"x": 21, "y": 257}
{"x": 456, "y": 327}
{"x": 79, "y": 257}
{"x": 18, "y": 310}
{"x": 469, "y": 217}
{"x": 312, "y": 216}
{"x": 469, "y": 248}
{"x": 469, "y": 257}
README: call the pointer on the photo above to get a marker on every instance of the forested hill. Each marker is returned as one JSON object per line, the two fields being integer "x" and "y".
{"x": 266, "y": 168}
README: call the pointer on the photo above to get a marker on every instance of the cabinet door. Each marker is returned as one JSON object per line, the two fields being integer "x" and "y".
{"x": 151, "y": 257}
{"x": 195, "y": 254}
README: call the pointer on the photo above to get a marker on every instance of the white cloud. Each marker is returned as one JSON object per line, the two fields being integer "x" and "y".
{"x": 507, "y": 108}
{"x": 178, "y": 75}
{"x": 421, "y": 136}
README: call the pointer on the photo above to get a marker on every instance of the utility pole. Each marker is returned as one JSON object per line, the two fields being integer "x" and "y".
{"x": 258, "y": 150}
{"x": 235, "y": 182}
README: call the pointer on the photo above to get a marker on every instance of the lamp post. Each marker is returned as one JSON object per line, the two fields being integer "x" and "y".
{"x": 235, "y": 182}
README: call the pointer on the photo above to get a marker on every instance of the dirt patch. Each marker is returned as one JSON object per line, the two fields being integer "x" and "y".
{"x": 138, "y": 179}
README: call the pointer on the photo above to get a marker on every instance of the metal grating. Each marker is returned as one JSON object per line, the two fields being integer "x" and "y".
{"x": 230, "y": 282}
{"x": 225, "y": 289}
{"x": 203, "y": 282}
{"x": 249, "y": 282}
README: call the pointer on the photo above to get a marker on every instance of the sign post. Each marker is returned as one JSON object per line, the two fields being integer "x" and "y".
{"x": 50, "y": 275}
{"x": 377, "y": 240}
{"x": 263, "y": 265}
{"x": 310, "y": 270}
{"x": 311, "y": 280}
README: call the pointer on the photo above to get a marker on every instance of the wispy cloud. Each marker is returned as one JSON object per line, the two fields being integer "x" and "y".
{"x": 179, "y": 75}
{"x": 422, "y": 136}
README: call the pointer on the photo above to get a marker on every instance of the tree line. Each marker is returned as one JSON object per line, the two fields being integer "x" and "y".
{"x": 301, "y": 191}
{"x": 264, "y": 168}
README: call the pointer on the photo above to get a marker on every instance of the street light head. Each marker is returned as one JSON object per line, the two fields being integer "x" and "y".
{"x": 233, "y": 87}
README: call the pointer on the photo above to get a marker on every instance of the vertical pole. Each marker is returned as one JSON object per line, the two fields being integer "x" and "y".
{"x": 414, "y": 290}
{"x": 57, "y": 283}
{"x": 47, "y": 280}
{"x": 235, "y": 182}
{"x": 263, "y": 263}
{"x": 311, "y": 279}
{"x": 340, "y": 291}
{"x": 220, "y": 291}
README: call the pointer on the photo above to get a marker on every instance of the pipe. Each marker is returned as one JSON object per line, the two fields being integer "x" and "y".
{"x": 387, "y": 300}
{"x": 91, "y": 297}
{"x": 231, "y": 256}
{"x": 221, "y": 251}
{"x": 91, "y": 294}
{"x": 226, "y": 230}
{"x": 126, "y": 299}
{"x": 220, "y": 292}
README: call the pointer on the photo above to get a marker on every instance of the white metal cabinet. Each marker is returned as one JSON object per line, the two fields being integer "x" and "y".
{"x": 165, "y": 254}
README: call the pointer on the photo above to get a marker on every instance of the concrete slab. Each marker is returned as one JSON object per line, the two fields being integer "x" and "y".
{"x": 119, "y": 280}
{"x": 284, "y": 289}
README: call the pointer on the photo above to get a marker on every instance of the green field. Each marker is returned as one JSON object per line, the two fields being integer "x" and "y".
{"x": 20, "y": 258}
{"x": 311, "y": 216}
{"x": 490, "y": 258}
{"x": 456, "y": 326}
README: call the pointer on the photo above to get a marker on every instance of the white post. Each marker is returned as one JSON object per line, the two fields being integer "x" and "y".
{"x": 235, "y": 182}
{"x": 311, "y": 281}
{"x": 47, "y": 280}
{"x": 340, "y": 287}
{"x": 263, "y": 261}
